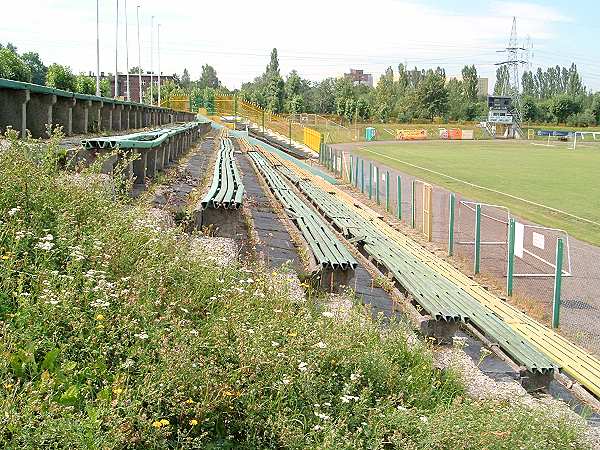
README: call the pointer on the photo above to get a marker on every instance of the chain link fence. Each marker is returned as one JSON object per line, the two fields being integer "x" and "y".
{"x": 535, "y": 246}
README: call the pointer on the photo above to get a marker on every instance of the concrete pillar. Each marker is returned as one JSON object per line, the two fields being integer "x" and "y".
{"x": 13, "y": 110}
{"x": 160, "y": 155}
{"x": 95, "y": 116}
{"x": 39, "y": 113}
{"x": 62, "y": 113}
{"x": 139, "y": 168}
{"x": 107, "y": 116}
{"x": 116, "y": 117}
{"x": 81, "y": 116}
{"x": 133, "y": 116}
{"x": 151, "y": 158}
{"x": 125, "y": 117}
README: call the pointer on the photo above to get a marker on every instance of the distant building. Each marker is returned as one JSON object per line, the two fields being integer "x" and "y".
{"x": 134, "y": 83}
{"x": 482, "y": 85}
{"x": 357, "y": 76}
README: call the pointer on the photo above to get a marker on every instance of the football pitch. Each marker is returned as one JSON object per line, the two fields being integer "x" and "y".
{"x": 551, "y": 185}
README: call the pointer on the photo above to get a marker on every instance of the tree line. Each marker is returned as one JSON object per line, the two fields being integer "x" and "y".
{"x": 554, "y": 95}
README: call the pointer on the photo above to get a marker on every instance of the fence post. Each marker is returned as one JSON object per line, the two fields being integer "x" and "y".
{"x": 387, "y": 190}
{"x": 263, "y": 123}
{"x": 290, "y": 131}
{"x": 377, "y": 185}
{"x": 351, "y": 169}
{"x": 477, "y": 259}
{"x": 362, "y": 176}
{"x": 412, "y": 203}
{"x": 370, "y": 181}
{"x": 234, "y": 111}
{"x": 451, "y": 224}
{"x": 557, "y": 283}
{"x": 510, "y": 266}
{"x": 356, "y": 173}
{"x": 399, "y": 197}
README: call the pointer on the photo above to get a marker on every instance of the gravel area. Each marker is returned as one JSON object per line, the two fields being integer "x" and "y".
{"x": 220, "y": 250}
{"x": 157, "y": 219}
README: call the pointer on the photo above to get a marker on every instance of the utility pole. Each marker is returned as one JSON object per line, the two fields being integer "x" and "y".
{"x": 513, "y": 62}
{"x": 117, "y": 53}
{"x": 139, "y": 54}
{"x": 152, "y": 61}
{"x": 127, "y": 53}
{"x": 97, "y": 49}
{"x": 158, "y": 48}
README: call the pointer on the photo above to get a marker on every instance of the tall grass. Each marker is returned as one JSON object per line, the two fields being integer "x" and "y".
{"x": 114, "y": 336}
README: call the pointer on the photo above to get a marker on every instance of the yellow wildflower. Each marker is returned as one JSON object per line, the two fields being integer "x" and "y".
{"x": 118, "y": 391}
{"x": 156, "y": 424}
{"x": 193, "y": 422}
{"x": 229, "y": 393}
{"x": 8, "y": 385}
{"x": 99, "y": 317}
{"x": 189, "y": 401}
{"x": 292, "y": 334}
{"x": 164, "y": 422}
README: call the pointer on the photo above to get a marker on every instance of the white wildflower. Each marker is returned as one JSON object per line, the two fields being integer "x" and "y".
{"x": 13, "y": 211}
{"x": 322, "y": 416}
{"x": 45, "y": 245}
{"x": 303, "y": 367}
{"x": 354, "y": 376}
{"x": 286, "y": 381}
{"x": 424, "y": 419}
{"x": 143, "y": 335}
{"x": 274, "y": 344}
{"x": 327, "y": 314}
{"x": 128, "y": 363}
{"x": 348, "y": 398}
{"x": 320, "y": 344}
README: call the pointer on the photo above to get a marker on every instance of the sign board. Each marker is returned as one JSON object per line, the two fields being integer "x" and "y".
{"x": 538, "y": 240}
{"x": 519, "y": 239}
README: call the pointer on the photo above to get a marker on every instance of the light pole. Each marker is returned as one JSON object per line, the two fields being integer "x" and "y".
{"x": 139, "y": 54}
{"x": 152, "y": 61}
{"x": 117, "y": 53}
{"x": 97, "y": 49}
{"x": 158, "y": 47}
{"x": 127, "y": 53}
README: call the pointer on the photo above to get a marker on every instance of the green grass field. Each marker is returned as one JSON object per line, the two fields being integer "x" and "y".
{"x": 553, "y": 176}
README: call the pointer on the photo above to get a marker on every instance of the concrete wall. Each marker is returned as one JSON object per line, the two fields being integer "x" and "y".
{"x": 33, "y": 107}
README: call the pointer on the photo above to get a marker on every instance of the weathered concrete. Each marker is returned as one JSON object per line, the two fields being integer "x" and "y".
{"x": 39, "y": 113}
{"x": 116, "y": 117}
{"x": 151, "y": 158}
{"x": 62, "y": 114}
{"x": 13, "y": 110}
{"x": 107, "y": 116}
{"x": 139, "y": 168}
{"x": 95, "y": 116}
{"x": 81, "y": 116}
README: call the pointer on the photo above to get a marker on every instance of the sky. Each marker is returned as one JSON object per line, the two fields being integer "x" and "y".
{"x": 317, "y": 38}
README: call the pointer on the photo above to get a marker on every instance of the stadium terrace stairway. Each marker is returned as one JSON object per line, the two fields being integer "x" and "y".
{"x": 445, "y": 301}
{"x": 226, "y": 191}
{"x": 331, "y": 255}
